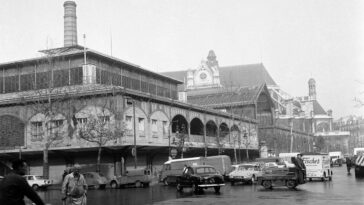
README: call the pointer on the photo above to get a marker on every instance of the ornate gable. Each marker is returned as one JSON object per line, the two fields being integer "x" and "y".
{"x": 206, "y": 75}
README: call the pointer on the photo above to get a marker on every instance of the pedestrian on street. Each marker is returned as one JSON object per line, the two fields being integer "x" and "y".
{"x": 14, "y": 187}
{"x": 348, "y": 164}
{"x": 299, "y": 172}
{"x": 302, "y": 165}
{"x": 74, "y": 188}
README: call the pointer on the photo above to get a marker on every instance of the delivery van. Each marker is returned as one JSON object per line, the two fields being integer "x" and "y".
{"x": 173, "y": 168}
{"x": 317, "y": 166}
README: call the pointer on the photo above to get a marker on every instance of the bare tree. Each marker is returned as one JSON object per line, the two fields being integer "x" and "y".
{"x": 48, "y": 126}
{"x": 99, "y": 128}
{"x": 181, "y": 136}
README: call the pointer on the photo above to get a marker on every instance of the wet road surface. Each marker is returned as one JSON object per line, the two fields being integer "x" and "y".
{"x": 344, "y": 189}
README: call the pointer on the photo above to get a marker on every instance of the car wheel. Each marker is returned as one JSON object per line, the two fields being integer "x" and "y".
{"x": 330, "y": 178}
{"x": 253, "y": 179}
{"x": 165, "y": 182}
{"x": 217, "y": 189}
{"x": 179, "y": 187}
{"x": 114, "y": 185}
{"x": 35, "y": 187}
{"x": 323, "y": 178}
{"x": 195, "y": 188}
{"x": 138, "y": 184}
{"x": 291, "y": 184}
{"x": 310, "y": 179}
{"x": 267, "y": 184}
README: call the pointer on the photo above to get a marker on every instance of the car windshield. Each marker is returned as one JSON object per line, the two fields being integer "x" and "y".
{"x": 39, "y": 177}
{"x": 246, "y": 167}
{"x": 205, "y": 170}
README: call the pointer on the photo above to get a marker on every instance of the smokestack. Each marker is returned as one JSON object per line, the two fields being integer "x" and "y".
{"x": 70, "y": 24}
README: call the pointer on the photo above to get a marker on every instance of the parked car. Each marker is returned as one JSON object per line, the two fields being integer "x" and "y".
{"x": 36, "y": 181}
{"x": 95, "y": 180}
{"x": 245, "y": 173}
{"x": 137, "y": 177}
{"x": 173, "y": 168}
{"x": 200, "y": 177}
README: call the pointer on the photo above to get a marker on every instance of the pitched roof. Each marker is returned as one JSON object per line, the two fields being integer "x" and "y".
{"x": 317, "y": 108}
{"x": 79, "y": 50}
{"x": 219, "y": 97}
{"x": 238, "y": 75}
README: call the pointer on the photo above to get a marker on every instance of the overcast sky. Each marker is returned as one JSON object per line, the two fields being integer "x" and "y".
{"x": 294, "y": 39}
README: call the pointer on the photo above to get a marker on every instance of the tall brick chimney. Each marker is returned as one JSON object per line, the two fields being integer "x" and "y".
{"x": 70, "y": 24}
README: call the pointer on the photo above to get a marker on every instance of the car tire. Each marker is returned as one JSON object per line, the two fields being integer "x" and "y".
{"x": 267, "y": 184}
{"x": 217, "y": 189}
{"x": 35, "y": 187}
{"x": 179, "y": 187}
{"x": 138, "y": 184}
{"x": 291, "y": 184}
{"x": 114, "y": 185}
{"x": 195, "y": 188}
{"x": 165, "y": 182}
{"x": 253, "y": 179}
{"x": 324, "y": 177}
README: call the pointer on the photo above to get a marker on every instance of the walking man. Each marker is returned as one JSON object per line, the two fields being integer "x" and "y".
{"x": 74, "y": 188}
{"x": 348, "y": 164}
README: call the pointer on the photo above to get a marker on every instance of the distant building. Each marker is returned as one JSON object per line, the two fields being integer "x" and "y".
{"x": 244, "y": 90}
{"x": 354, "y": 125}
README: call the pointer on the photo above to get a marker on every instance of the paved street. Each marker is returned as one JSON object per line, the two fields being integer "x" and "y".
{"x": 344, "y": 189}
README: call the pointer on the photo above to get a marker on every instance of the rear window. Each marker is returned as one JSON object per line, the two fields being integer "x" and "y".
{"x": 39, "y": 177}
{"x": 205, "y": 170}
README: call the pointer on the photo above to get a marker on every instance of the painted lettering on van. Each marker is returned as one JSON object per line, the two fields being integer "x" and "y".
{"x": 311, "y": 161}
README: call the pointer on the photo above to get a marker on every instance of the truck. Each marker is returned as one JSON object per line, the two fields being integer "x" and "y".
{"x": 317, "y": 166}
{"x": 287, "y": 156}
{"x": 358, "y": 151}
{"x": 140, "y": 177}
{"x": 336, "y": 158}
{"x": 173, "y": 168}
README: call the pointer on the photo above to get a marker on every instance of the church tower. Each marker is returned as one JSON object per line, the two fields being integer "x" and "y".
{"x": 312, "y": 89}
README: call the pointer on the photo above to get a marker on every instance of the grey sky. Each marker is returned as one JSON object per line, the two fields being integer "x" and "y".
{"x": 294, "y": 39}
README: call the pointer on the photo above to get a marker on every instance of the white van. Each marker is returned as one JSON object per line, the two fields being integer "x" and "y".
{"x": 173, "y": 168}
{"x": 317, "y": 166}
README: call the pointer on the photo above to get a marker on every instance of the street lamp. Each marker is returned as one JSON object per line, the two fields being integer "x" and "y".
{"x": 246, "y": 142}
{"x": 131, "y": 101}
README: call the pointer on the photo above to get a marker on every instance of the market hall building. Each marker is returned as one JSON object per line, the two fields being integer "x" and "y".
{"x": 46, "y": 101}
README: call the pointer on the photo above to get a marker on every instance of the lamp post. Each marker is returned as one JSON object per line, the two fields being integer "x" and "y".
{"x": 291, "y": 130}
{"x": 246, "y": 143}
{"x": 134, "y": 150}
